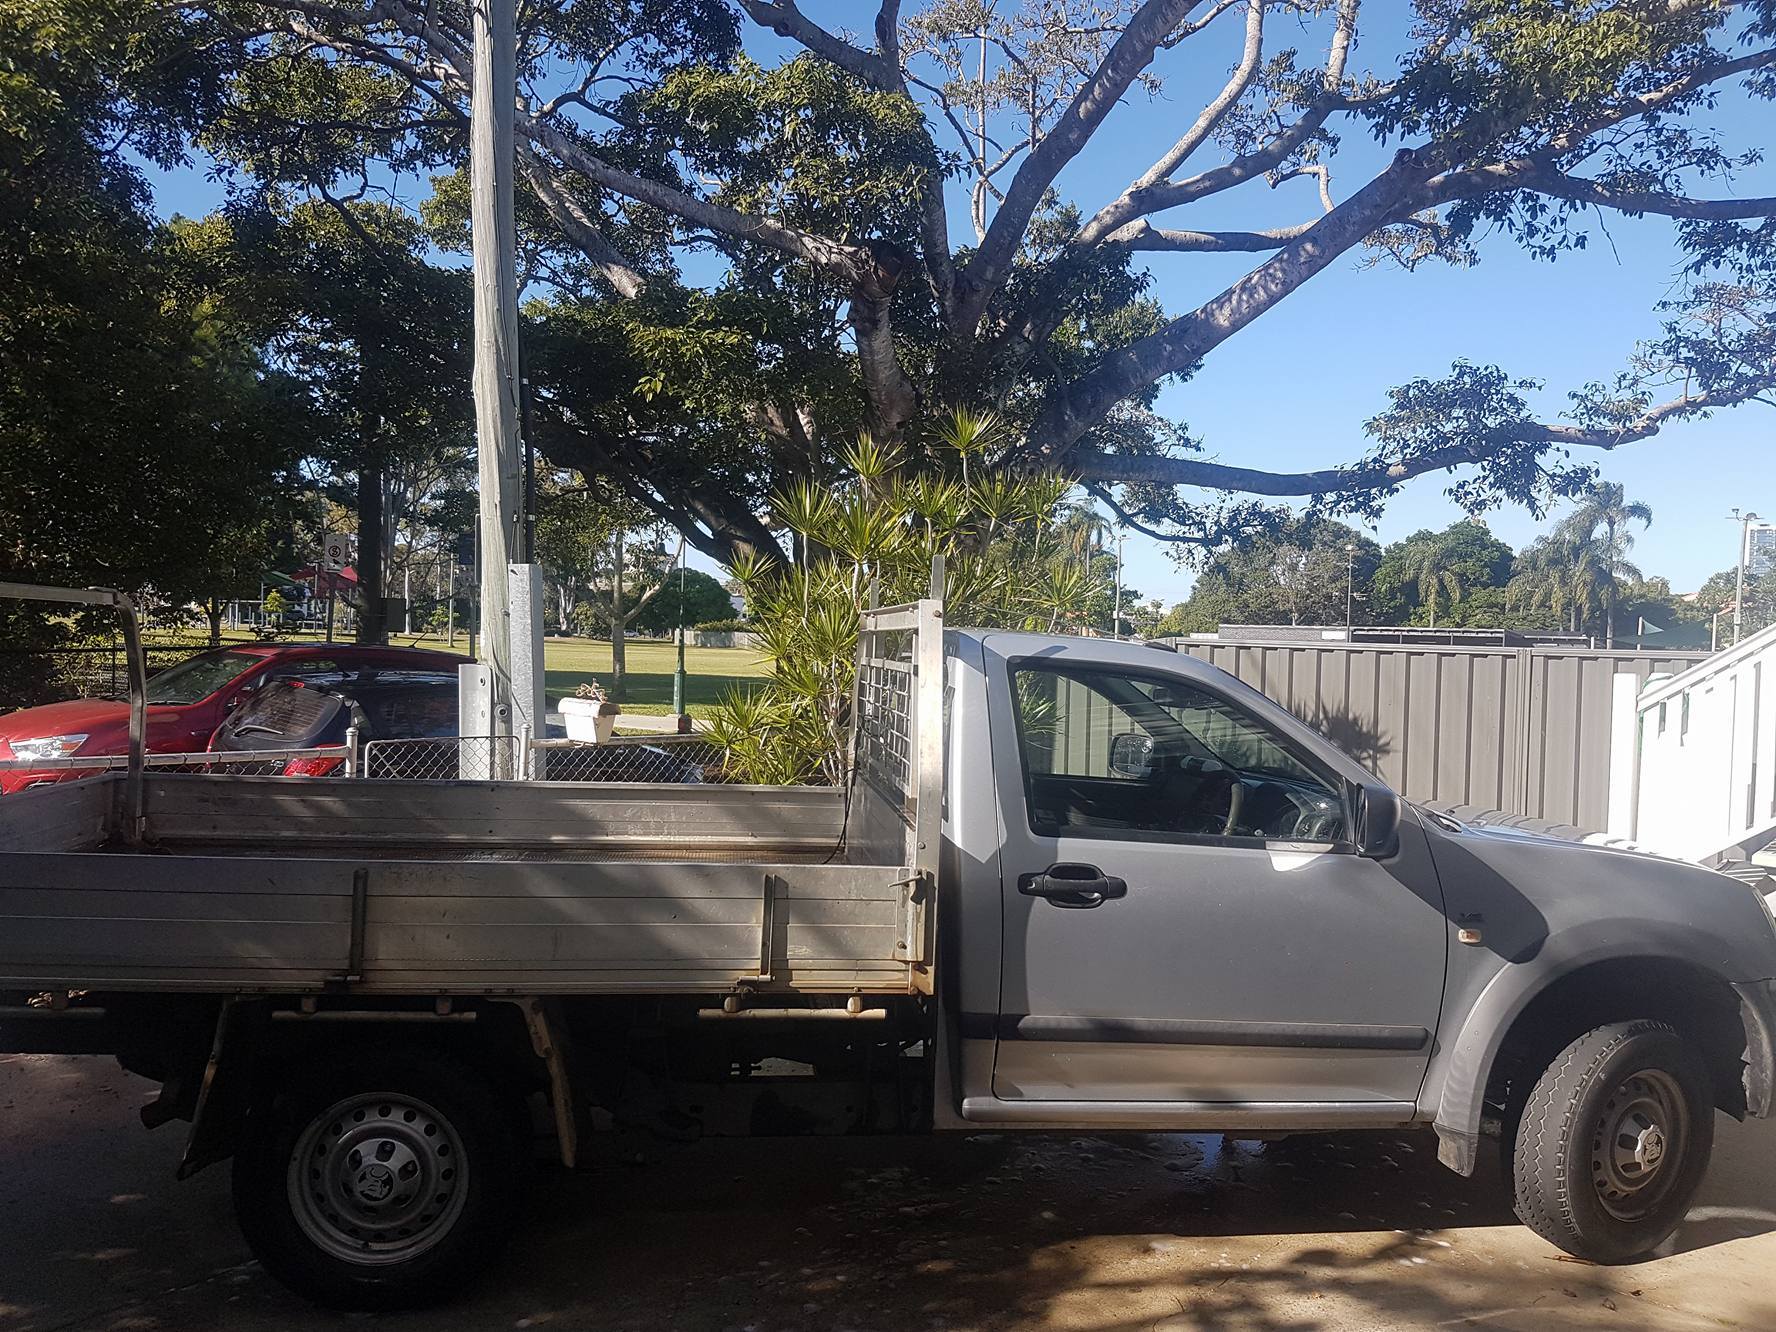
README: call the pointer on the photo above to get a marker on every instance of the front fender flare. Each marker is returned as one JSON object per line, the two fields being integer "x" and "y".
{"x": 1461, "y": 1068}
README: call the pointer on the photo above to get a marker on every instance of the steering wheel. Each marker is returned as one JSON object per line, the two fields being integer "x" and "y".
{"x": 1213, "y": 771}
{"x": 1236, "y": 803}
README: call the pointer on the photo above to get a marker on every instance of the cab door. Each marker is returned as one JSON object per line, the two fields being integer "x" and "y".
{"x": 1184, "y": 917}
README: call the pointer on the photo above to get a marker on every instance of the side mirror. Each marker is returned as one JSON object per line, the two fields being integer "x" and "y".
{"x": 1375, "y": 814}
{"x": 1131, "y": 754}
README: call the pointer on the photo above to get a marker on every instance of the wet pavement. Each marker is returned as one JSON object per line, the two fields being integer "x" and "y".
{"x": 982, "y": 1232}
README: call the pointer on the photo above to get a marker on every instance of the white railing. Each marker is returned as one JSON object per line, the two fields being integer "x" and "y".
{"x": 1693, "y": 763}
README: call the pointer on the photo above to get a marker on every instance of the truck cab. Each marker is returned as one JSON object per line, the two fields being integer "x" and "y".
{"x": 1184, "y": 915}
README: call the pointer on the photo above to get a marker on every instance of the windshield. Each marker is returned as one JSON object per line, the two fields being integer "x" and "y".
{"x": 199, "y": 677}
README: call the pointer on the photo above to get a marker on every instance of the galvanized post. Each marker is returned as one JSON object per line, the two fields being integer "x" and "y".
{"x": 135, "y": 819}
{"x": 352, "y": 765}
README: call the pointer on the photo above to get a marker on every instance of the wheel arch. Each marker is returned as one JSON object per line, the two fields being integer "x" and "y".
{"x": 253, "y": 1054}
{"x": 1527, "y": 1014}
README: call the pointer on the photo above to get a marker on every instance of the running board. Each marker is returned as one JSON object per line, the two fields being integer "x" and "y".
{"x": 1189, "y": 1116}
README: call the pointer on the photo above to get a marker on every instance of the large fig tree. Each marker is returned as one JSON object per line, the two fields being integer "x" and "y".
{"x": 755, "y": 231}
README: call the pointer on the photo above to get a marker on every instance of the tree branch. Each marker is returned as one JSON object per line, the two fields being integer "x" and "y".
{"x": 1510, "y": 173}
{"x": 783, "y": 18}
{"x": 1135, "y": 469}
{"x": 1184, "y": 341}
{"x": 1595, "y": 192}
{"x": 1131, "y": 53}
{"x": 1212, "y": 115}
{"x": 1142, "y": 235}
{"x": 1154, "y": 193}
{"x": 893, "y": 398}
{"x": 834, "y": 258}
{"x": 577, "y": 225}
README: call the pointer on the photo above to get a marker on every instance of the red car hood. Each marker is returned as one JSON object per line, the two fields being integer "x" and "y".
{"x": 104, "y": 719}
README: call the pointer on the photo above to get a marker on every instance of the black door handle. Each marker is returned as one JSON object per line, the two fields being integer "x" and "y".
{"x": 1075, "y": 887}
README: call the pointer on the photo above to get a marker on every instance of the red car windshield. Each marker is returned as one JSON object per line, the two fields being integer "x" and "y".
{"x": 198, "y": 678}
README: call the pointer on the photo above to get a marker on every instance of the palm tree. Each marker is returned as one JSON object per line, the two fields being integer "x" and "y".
{"x": 1081, "y": 530}
{"x": 1556, "y": 574}
{"x": 1599, "y": 528}
{"x": 1430, "y": 568}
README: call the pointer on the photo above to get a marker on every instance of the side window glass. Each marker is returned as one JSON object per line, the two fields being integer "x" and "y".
{"x": 1109, "y": 753}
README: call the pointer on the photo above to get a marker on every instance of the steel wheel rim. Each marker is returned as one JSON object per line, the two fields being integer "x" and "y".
{"x": 377, "y": 1179}
{"x": 1638, "y": 1144}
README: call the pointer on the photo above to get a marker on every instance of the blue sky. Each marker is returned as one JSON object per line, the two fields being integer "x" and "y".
{"x": 1293, "y": 390}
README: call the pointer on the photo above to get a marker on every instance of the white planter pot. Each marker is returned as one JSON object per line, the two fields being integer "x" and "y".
{"x": 588, "y": 719}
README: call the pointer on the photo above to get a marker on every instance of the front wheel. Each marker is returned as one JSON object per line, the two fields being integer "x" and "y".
{"x": 385, "y": 1181}
{"x": 1613, "y": 1142}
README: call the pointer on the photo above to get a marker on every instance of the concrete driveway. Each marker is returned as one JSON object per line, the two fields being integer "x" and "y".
{"x": 988, "y": 1232}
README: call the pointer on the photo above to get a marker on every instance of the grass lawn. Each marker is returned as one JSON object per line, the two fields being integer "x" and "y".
{"x": 568, "y": 662}
{"x": 709, "y": 672}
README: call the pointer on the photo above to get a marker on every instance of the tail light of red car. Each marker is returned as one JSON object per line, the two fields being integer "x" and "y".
{"x": 313, "y": 767}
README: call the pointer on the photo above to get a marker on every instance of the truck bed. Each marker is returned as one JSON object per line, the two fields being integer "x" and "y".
{"x": 246, "y": 884}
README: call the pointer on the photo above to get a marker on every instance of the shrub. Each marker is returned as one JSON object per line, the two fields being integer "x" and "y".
{"x": 1017, "y": 555}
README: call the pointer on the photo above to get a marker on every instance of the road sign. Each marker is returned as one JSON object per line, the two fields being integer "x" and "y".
{"x": 336, "y": 550}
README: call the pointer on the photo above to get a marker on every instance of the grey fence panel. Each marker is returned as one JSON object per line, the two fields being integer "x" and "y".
{"x": 1523, "y": 730}
{"x": 1568, "y": 751}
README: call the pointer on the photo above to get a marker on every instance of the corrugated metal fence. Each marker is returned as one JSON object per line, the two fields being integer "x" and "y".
{"x": 1525, "y": 730}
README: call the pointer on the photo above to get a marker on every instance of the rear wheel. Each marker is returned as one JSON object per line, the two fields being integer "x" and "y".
{"x": 384, "y": 1182}
{"x": 1613, "y": 1142}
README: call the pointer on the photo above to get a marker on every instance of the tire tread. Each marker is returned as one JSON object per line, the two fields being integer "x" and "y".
{"x": 1544, "y": 1194}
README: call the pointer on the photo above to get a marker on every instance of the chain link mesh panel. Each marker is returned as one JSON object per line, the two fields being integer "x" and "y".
{"x": 669, "y": 759}
{"x": 468, "y": 758}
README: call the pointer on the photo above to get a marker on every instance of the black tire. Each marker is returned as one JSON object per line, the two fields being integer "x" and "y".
{"x": 1613, "y": 1142}
{"x": 357, "y": 1235}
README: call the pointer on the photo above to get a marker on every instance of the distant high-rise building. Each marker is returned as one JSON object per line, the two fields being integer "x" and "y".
{"x": 1760, "y": 553}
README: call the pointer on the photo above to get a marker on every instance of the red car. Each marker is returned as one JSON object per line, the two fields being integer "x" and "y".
{"x": 186, "y": 703}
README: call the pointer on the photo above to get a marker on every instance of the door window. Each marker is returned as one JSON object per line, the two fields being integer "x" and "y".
{"x": 1114, "y": 753}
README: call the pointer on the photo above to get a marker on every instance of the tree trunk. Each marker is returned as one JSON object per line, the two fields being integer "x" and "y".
{"x": 371, "y": 626}
{"x": 213, "y": 610}
{"x": 618, "y": 623}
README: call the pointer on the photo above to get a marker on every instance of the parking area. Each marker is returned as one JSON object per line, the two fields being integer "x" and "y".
{"x": 983, "y": 1232}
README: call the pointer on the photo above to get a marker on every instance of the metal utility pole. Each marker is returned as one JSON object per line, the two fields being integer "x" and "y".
{"x": 505, "y": 693}
{"x": 1745, "y": 520}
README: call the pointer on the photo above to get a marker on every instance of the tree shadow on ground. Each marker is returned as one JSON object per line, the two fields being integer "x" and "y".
{"x": 995, "y": 1232}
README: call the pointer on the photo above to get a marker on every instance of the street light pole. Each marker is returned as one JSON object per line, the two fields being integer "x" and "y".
{"x": 1116, "y": 608}
{"x": 1745, "y": 520}
{"x": 678, "y": 676}
{"x": 1350, "y": 584}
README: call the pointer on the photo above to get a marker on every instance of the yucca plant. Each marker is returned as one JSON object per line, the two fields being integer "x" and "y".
{"x": 878, "y": 527}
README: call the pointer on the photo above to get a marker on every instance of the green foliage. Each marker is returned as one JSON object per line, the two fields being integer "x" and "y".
{"x": 1297, "y": 575}
{"x": 145, "y": 440}
{"x": 802, "y": 142}
{"x": 704, "y": 599}
{"x": 1009, "y": 563}
{"x": 1432, "y": 570}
